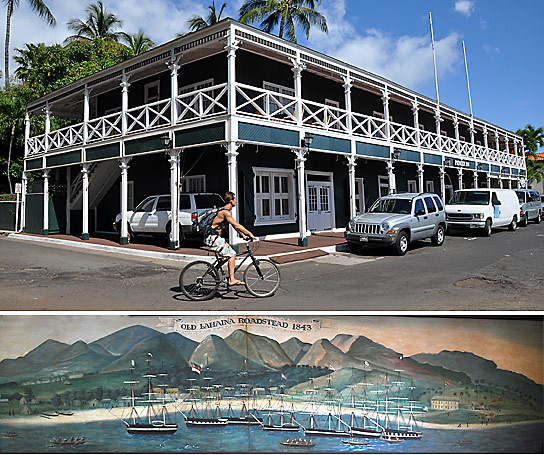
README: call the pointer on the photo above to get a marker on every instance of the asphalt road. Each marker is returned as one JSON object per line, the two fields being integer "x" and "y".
{"x": 502, "y": 273}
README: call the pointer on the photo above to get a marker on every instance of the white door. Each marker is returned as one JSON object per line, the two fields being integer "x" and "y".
{"x": 319, "y": 206}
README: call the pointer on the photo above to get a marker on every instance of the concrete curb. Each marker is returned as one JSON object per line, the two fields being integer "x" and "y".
{"x": 152, "y": 254}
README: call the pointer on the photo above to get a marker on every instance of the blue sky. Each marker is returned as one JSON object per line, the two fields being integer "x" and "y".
{"x": 504, "y": 40}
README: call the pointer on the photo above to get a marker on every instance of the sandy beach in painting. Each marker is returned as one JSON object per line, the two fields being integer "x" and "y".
{"x": 96, "y": 415}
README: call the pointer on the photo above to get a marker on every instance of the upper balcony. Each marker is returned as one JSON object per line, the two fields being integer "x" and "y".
{"x": 263, "y": 106}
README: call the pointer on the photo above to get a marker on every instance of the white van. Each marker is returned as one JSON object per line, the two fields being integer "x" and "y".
{"x": 484, "y": 208}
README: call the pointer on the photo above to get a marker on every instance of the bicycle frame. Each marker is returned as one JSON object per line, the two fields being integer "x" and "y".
{"x": 221, "y": 261}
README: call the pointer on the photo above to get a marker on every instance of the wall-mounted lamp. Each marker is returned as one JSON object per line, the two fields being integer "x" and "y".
{"x": 396, "y": 154}
{"x": 305, "y": 143}
{"x": 166, "y": 141}
{"x": 447, "y": 162}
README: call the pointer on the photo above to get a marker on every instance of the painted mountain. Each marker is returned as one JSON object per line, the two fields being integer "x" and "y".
{"x": 295, "y": 349}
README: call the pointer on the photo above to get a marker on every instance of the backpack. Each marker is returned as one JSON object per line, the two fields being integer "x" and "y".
{"x": 202, "y": 223}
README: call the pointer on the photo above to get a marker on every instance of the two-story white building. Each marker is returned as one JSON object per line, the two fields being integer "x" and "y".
{"x": 228, "y": 108}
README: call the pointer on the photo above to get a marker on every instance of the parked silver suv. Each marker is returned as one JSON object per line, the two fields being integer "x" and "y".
{"x": 530, "y": 207}
{"x": 397, "y": 220}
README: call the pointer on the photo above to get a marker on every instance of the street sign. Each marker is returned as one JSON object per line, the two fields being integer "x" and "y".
{"x": 18, "y": 188}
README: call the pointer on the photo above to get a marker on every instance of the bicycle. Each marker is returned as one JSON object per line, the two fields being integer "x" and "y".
{"x": 200, "y": 280}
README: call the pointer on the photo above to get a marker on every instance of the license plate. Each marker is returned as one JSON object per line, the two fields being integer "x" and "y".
{"x": 363, "y": 238}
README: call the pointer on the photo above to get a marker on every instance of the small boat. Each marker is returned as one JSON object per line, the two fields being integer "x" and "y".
{"x": 391, "y": 439}
{"x": 72, "y": 441}
{"x": 10, "y": 434}
{"x": 298, "y": 443}
{"x": 355, "y": 442}
{"x": 50, "y": 414}
{"x": 464, "y": 442}
{"x": 65, "y": 413}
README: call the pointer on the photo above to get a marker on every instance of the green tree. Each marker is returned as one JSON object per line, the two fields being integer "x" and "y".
{"x": 198, "y": 22}
{"x": 533, "y": 138}
{"x": 286, "y": 15}
{"x": 100, "y": 23}
{"x": 139, "y": 43}
{"x": 39, "y": 7}
{"x": 535, "y": 170}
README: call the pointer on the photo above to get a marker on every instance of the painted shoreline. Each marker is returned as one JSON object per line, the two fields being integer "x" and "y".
{"x": 96, "y": 415}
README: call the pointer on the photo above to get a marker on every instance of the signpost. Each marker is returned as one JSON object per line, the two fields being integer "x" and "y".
{"x": 18, "y": 190}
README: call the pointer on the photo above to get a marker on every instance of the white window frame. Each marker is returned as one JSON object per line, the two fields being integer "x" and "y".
{"x": 478, "y": 143}
{"x": 360, "y": 194}
{"x": 335, "y": 105}
{"x": 429, "y": 186}
{"x": 462, "y": 138}
{"x": 383, "y": 182}
{"x": 151, "y": 99}
{"x": 187, "y": 180}
{"x": 421, "y": 126}
{"x": 281, "y": 90}
{"x": 113, "y": 110}
{"x": 444, "y": 133}
{"x": 196, "y": 86}
{"x": 381, "y": 115}
{"x": 273, "y": 219}
{"x": 414, "y": 185}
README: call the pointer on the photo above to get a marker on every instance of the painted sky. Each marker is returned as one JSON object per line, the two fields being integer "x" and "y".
{"x": 513, "y": 344}
{"x": 504, "y": 40}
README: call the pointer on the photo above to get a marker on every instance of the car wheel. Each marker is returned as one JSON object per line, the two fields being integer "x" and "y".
{"x": 438, "y": 238}
{"x": 488, "y": 228}
{"x": 131, "y": 236}
{"x": 401, "y": 245}
{"x": 514, "y": 224}
{"x": 538, "y": 218}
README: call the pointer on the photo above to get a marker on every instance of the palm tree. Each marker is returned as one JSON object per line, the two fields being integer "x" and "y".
{"x": 198, "y": 22}
{"x": 139, "y": 43}
{"x": 285, "y": 14}
{"x": 533, "y": 138}
{"x": 27, "y": 59}
{"x": 535, "y": 170}
{"x": 100, "y": 23}
{"x": 37, "y": 6}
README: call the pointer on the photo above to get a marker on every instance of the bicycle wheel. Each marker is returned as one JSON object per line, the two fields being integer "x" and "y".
{"x": 264, "y": 284}
{"x": 199, "y": 280}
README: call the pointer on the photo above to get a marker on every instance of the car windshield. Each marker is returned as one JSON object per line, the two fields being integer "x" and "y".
{"x": 208, "y": 201}
{"x": 470, "y": 198}
{"x": 402, "y": 206}
{"x": 146, "y": 205}
{"x": 521, "y": 196}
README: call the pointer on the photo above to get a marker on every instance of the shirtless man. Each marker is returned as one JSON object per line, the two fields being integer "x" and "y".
{"x": 220, "y": 226}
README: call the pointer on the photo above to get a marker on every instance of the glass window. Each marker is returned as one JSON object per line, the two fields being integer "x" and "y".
{"x": 208, "y": 201}
{"x": 521, "y": 196}
{"x": 402, "y": 206}
{"x": 152, "y": 92}
{"x": 146, "y": 205}
{"x": 438, "y": 203}
{"x": 273, "y": 193}
{"x": 164, "y": 203}
{"x": 470, "y": 198}
{"x": 430, "y": 204}
{"x": 194, "y": 184}
{"x": 185, "y": 202}
{"x": 419, "y": 207}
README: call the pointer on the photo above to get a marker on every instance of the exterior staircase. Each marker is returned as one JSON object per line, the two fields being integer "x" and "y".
{"x": 101, "y": 178}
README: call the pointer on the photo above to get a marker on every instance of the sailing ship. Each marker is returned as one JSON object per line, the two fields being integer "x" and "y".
{"x": 298, "y": 443}
{"x": 155, "y": 420}
{"x": 335, "y": 426}
{"x": 207, "y": 417}
{"x": 245, "y": 417}
{"x": 281, "y": 420}
{"x": 404, "y": 430}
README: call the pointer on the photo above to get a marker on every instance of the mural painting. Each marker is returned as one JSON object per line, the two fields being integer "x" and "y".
{"x": 262, "y": 384}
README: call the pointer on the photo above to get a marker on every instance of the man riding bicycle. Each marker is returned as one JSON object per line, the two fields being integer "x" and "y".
{"x": 219, "y": 227}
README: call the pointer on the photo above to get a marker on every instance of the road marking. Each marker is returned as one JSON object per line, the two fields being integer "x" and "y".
{"x": 346, "y": 259}
{"x": 470, "y": 239}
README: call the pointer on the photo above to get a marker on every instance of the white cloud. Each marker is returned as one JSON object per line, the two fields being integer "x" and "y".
{"x": 465, "y": 7}
{"x": 407, "y": 60}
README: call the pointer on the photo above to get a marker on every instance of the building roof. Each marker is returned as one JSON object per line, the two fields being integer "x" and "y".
{"x": 182, "y": 45}
{"x": 440, "y": 398}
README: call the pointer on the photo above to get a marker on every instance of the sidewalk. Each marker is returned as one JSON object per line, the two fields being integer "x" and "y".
{"x": 281, "y": 250}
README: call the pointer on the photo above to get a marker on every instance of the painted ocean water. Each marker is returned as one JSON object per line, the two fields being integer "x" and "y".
{"x": 111, "y": 436}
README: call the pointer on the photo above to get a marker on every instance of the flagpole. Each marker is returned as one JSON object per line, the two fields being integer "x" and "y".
{"x": 434, "y": 61}
{"x": 468, "y": 83}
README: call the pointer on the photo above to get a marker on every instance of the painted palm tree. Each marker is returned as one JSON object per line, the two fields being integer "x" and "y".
{"x": 198, "y": 22}
{"x": 533, "y": 138}
{"x": 286, "y": 15}
{"x": 39, "y": 7}
{"x": 100, "y": 23}
{"x": 139, "y": 43}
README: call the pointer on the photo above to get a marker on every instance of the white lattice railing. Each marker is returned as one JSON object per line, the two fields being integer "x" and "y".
{"x": 365, "y": 125}
{"x": 202, "y": 103}
{"x": 403, "y": 134}
{"x": 67, "y": 136}
{"x": 449, "y": 145}
{"x": 324, "y": 116}
{"x": 430, "y": 140}
{"x": 104, "y": 127}
{"x": 148, "y": 116}
{"x": 36, "y": 145}
{"x": 265, "y": 104}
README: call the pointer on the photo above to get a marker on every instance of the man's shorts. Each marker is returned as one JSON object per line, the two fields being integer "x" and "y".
{"x": 220, "y": 246}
